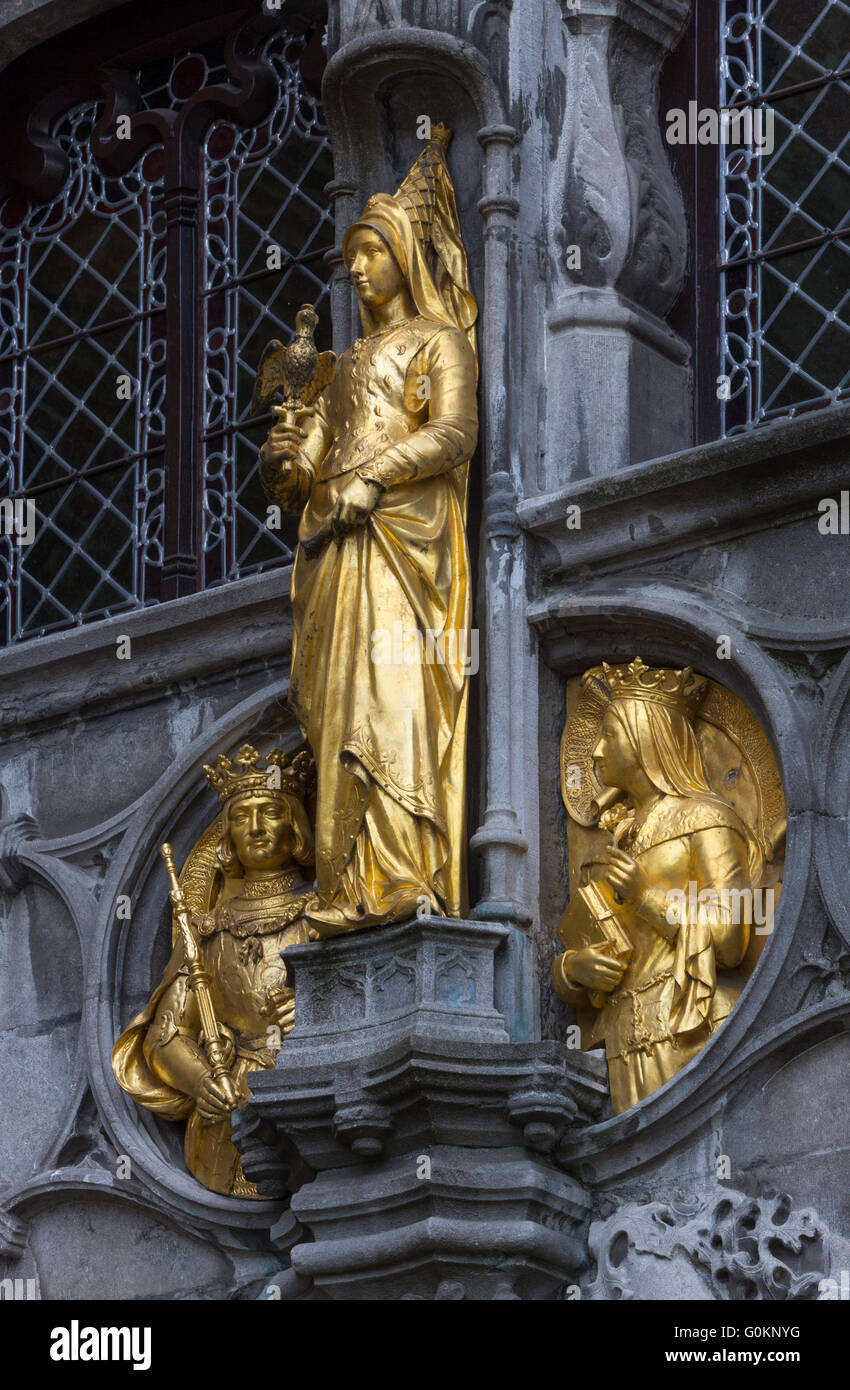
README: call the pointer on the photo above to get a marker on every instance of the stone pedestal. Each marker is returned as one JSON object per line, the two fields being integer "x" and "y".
{"x": 413, "y": 1133}
{"x": 621, "y": 368}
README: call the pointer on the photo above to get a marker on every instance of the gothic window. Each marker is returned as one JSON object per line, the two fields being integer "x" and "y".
{"x": 265, "y": 194}
{"x": 785, "y": 215}
{"x": 139, "y": 282}
{"x": 768, "y": 301}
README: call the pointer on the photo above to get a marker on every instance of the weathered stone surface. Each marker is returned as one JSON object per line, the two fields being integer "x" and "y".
{"x": 495, "y": 1224}
{"x": 95, "y": 1249}
{"x": 29, "y": 22}
{"x": 433, "y": 976}
{"x": 555, "y": 124}
{"x": 414, "y": 1134}
{"x": 407, "y": 1021}
{"x": 617, "y": 244}
{"x": 716, "y": 1244}
{"x": 194, "y": 639}
{"x": 729, "y": 488}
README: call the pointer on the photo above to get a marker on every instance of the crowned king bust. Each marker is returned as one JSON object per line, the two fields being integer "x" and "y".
{"x": 245, "y": 889}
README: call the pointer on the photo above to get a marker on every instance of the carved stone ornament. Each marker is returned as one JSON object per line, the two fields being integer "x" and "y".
{"x": 720, "y": 1245}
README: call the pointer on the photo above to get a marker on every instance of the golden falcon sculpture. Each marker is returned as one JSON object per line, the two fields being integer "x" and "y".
{"x": 246, "y": 890}
{"x": 658, "y": 929}
{"x": 377, "y": 470}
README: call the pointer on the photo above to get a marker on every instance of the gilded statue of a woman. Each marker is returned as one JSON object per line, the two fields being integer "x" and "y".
{"x": 247, "y": 883}
{"x": 377, "y": 470}
{"x": 655, "y": 941}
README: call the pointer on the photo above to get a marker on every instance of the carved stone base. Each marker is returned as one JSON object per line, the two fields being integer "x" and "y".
{"x": 448, "y": 1223}
{"x": 413, "y": 1133}
{"x": 623, "y": 383}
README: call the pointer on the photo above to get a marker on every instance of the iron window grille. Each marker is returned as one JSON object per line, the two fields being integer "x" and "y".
{"x": 265, "y": 190}
{"x": 785, "y": 215}
{"x": 765, "y": 301}
{"x": 134, "y": 304}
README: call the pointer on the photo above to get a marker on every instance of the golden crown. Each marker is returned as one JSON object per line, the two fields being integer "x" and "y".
{"x": 283, "y": 772}
{"x": 679, "y": 690}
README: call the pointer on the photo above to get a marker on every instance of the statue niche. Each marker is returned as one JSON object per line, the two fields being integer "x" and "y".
{"x": 675, "y": 841}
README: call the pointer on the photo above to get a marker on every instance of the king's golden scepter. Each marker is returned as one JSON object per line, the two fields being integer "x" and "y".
{"x": 213, "y": 1041}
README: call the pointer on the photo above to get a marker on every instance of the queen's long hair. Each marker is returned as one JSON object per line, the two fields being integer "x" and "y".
{"x": 664, "y": 741}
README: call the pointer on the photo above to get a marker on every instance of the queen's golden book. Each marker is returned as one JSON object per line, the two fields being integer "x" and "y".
{"x": 592, "y": 920}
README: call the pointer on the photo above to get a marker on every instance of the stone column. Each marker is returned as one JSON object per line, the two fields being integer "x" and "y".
{"x": 501, "y": 840}
{"x": 343, "y": 195}
{"x": 618, "y": 379}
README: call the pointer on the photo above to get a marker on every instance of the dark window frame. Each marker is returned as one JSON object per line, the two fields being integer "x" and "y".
{"x": 100, "y": 54}
{"x": 692, "y": 72}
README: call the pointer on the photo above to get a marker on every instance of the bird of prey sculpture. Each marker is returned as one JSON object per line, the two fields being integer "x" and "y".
{"x": 299, "y": 371}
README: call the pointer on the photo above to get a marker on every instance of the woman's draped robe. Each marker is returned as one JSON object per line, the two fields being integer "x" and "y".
{"x": 669, "y": 1000}
{"x": 389, "y": 735}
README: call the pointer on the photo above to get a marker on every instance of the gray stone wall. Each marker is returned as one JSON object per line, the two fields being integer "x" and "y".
{"x": 725, "y": 540}
{"x": 584, "y": 396}
{"x": 96, "y": 1201}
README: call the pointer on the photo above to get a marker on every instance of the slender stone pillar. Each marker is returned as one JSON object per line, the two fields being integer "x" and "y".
{"x": 501, "y": 839}
{"x": 343, "y": 194}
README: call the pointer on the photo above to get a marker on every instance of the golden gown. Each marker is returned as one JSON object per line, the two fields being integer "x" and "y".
{"x": 389, "y": 736}
{"x": 669, "y": 1000}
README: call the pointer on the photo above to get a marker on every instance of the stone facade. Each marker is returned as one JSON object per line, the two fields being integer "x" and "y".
{"x": 584, "y": 402}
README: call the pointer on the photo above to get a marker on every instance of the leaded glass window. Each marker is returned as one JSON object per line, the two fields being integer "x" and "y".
{"x": 265, "y": 195}
{"x": 123, "y": 408}
{"x": 785, "y": 216}
{"x": 82, "y": 350}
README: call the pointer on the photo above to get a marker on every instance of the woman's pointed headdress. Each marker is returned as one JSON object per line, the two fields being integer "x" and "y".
{"x": 421, "y": 227}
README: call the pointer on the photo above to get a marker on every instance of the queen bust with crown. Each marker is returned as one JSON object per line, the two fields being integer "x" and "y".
{"x": 246, "y": 887}
{"x": 660, "y": 916}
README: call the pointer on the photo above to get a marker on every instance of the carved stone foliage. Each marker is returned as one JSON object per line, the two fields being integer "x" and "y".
{"x": 825, "y": 971}
{"x": 655, "y": 266}
{"x": 597, "y": 200}
{"x": 720, "y": 1245}
{"x": 614, "y": 196}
